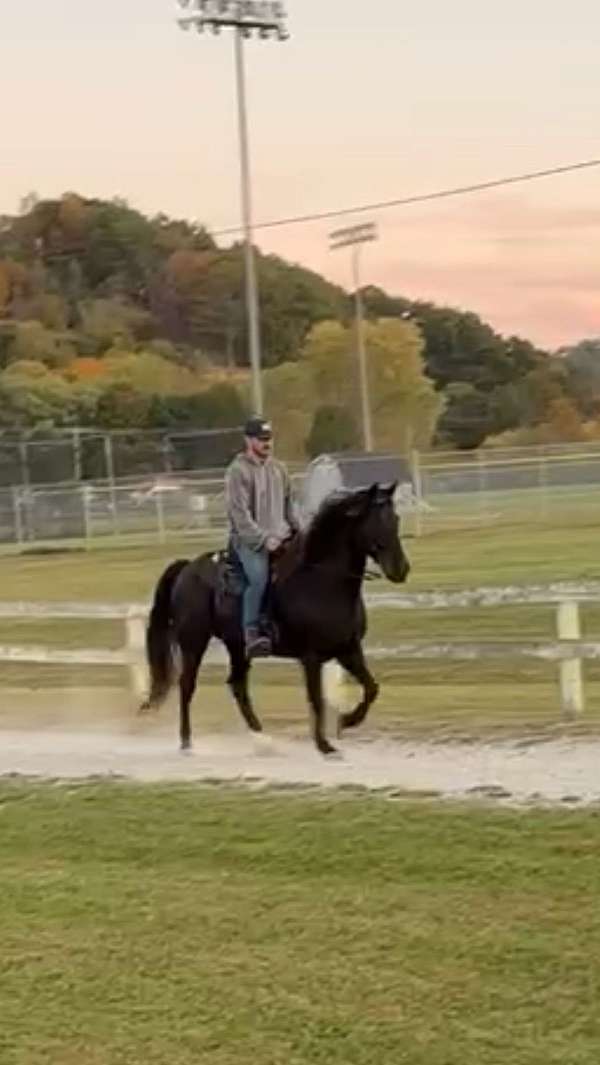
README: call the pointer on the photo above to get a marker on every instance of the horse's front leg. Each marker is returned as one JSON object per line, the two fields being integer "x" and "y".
{"x": 238, "y": 683}
{"x": 313, "y": 675}
{"x": 353, "y": 661}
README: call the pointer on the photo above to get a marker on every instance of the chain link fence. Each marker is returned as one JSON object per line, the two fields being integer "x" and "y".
{"x": 552, "y": 484}
{"x": 442, "y": 491}
{"x": 135, "y": 512}
{"x": 76, "y": 456}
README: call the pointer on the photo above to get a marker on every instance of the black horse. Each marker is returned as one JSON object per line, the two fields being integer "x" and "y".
{"x": 315, "y": 605}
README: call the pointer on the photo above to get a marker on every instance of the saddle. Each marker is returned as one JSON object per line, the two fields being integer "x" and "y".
{"x": 231, "y": 581}
{"x": 230, "y": 576}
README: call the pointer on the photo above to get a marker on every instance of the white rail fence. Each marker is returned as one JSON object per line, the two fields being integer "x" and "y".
{"x": 568, "y": 650}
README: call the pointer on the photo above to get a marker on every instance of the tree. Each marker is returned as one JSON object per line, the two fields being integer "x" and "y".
{"x": 333, "y": 429}
{"x": 31, "y": 340}
{"x": 31, "y": 397}
{"x": 86, "y": 369}
{"x": 13, "y": 288}
{"x": 292, "y": 301}
{"x": 329, "y": 353}
{"x": 88, "y": 277}
{"x": 5, "y": 288}
{"x": 461, "y": 349}
{"x": 119, "y": 251}
{"x": 72, "y": 220}
{"x": 540, "y": 390}
{"x": 290, "y": 400}
{"x": 173, "y": 234}
{"x": 466, "y": 421}
{"x": 7, "y": 336}
{"x": 582, "y": 364}
{"x": 562, "y": 424}
{"x": 218, "y": 407}
{"x": 113, "y": 321}
{"x": 404, "y": 404}
{"x": 148, "y": 373}
{"x": 121, "y": 406}
{"x": 204, "y": 299}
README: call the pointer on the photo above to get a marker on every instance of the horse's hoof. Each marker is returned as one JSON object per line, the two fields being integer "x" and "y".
{"x": 263, "y": 744}
{"x": 346, "y": 722}
{"x": 186, "y": 748}
{"x": 328, "y": 750}
{"x": 144, "y": 708}
{"x": 334, "y": 755}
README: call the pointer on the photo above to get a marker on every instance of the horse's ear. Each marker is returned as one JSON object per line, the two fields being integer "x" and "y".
{"x": 385, "y": 492}
{"x": 361, "y": 501}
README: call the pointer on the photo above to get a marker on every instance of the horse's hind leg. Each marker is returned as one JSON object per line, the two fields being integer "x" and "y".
{"x": 353, "y": 661}
{"x": 313, "y": 673}
{"x": 238, "y": 683}
{"x": 191, "y": 660}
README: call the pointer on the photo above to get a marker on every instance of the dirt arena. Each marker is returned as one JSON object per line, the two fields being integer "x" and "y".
{"x": 89, "y": 733}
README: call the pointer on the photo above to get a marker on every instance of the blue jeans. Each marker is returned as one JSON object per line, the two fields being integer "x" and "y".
{"x": 255, "y": 565}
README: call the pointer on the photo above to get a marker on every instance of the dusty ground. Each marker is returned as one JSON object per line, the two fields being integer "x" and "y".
{"x": 85, "y": 735}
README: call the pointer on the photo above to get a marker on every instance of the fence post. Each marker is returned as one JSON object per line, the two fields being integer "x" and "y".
{"x": 77, "y": 464}
{"x": 160, "y": 516}
{"x": 543, "y": 484}
{"x": 110, "y": 477}
{"x": 333, "y": 694}
{"x": 571, "y": 673}
{"x": 16, "y": 497}
{"x": 417, "y": 489}
{"x": 136, "y": 641}
{"x": 24, "y": 459}
{"x": 483, "y": 484}
{"x": 87, "y": 517}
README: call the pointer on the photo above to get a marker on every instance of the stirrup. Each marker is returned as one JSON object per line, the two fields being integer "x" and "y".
{"x": 258, "y": 645}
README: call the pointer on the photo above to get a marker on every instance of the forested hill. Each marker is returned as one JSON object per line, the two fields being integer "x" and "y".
{"x": 114, "y": 319}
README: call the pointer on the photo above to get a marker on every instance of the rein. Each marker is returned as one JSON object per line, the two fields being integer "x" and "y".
{"x": 367, "y": 575}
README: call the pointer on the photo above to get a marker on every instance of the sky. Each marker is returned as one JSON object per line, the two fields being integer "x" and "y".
{"x": 365, "y": 102}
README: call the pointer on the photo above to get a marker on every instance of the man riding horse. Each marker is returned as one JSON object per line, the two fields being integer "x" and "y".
{"x": 262, "y": 516}
{"x": 315, "y": 605}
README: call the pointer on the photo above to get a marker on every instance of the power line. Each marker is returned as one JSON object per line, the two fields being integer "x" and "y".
{"x": 407, "y": 201}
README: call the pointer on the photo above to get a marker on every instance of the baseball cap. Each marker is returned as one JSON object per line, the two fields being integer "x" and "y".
{"x": 259, "y": 429}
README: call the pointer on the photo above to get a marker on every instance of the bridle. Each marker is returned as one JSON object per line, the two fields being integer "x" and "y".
{"x": 368, "y": 574}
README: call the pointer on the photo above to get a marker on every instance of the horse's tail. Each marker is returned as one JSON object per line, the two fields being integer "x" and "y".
{"x": 159, "y": 651}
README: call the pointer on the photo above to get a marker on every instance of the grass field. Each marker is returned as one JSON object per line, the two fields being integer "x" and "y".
{"x": 523, "y": 553}
{"x": 448, "y": 698}
{"x": 145, "y": 926}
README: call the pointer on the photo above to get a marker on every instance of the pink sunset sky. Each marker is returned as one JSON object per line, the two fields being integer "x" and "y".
{"x": 366, "y": 102}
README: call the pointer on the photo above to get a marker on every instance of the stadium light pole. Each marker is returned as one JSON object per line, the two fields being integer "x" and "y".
{"x": 354, "y": 237}
{"x": 266, "y": 18}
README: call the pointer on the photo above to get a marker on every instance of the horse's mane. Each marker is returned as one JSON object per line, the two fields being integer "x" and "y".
{"x": 326, "y": 523}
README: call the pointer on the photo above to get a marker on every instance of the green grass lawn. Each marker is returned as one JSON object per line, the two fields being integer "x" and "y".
{"x": 525, "y": 553}
{"x": 154, "y": 925}
{"x": 444, "y": 697}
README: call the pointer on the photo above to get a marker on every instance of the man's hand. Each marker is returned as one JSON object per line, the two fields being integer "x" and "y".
{"x": 272, "y": 544}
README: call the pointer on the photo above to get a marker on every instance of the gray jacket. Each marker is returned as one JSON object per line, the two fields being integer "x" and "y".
{"x": 259, "y": 502}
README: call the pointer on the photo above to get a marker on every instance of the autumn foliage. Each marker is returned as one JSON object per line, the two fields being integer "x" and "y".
{"x": 112, "y": 319}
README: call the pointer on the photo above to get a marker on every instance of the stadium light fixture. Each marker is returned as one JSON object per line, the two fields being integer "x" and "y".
{"x": 355, "y": 237}
{"x": 265, "y": 19}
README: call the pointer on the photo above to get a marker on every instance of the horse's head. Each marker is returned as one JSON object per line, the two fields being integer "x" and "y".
{"x": 378, "y": 530}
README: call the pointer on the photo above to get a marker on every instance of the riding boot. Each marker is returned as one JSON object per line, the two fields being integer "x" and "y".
{"x": 257, "y": 644}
